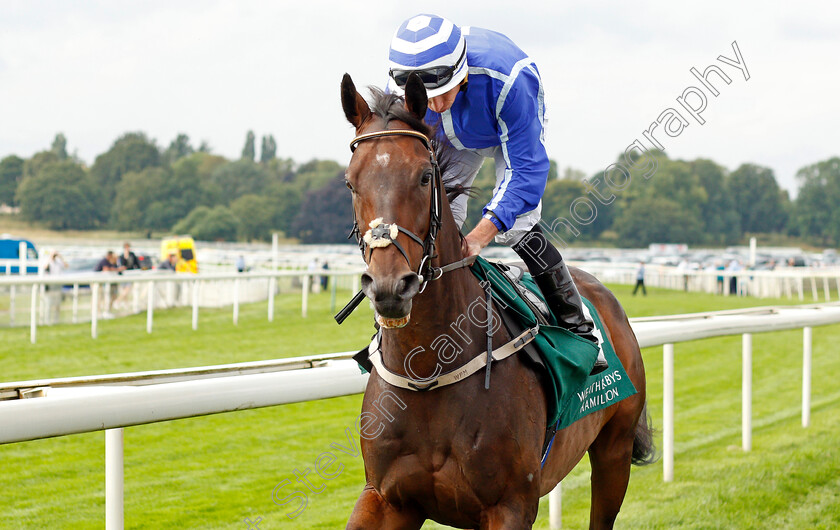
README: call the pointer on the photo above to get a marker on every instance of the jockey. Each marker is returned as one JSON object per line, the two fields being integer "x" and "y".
{"x": 486, "y": 98}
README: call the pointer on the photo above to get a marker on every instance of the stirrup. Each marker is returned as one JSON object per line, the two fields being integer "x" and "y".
{"x": 600, "y": 363}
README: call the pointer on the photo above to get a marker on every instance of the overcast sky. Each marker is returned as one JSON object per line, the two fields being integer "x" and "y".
{"x": 214, "y": 69}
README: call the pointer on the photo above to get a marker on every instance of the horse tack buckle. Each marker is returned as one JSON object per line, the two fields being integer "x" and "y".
{"x": 380, "y": 234}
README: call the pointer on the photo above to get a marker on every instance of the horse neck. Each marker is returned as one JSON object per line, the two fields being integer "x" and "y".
{"x": 440, "y": 316}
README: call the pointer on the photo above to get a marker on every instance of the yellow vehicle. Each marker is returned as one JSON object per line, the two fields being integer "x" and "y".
{"x": 184, "y": 249}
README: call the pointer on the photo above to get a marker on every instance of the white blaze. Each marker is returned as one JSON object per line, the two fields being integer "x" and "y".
{"x": 383, "y": 159}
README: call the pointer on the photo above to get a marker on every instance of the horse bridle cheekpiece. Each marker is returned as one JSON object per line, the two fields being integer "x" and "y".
{"x": 381, "y": 234}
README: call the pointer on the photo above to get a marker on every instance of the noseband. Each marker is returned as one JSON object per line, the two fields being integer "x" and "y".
{"x": 382, "y": 234}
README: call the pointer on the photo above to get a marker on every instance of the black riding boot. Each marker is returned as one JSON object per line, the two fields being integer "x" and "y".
{"x": 554, "y": 280}
{"x": 564, "y": 301}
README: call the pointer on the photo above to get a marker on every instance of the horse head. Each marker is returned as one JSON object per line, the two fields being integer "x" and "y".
{"x": 396, "y": 188}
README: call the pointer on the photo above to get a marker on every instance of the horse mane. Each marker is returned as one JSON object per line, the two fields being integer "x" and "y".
{"x": 392, "y": 107}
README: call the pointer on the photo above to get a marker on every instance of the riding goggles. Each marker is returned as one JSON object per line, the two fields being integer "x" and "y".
{"x": 434, "y": 77}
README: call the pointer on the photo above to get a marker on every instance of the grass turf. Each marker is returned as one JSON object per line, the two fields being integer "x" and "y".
{"x": 217, "y": 471}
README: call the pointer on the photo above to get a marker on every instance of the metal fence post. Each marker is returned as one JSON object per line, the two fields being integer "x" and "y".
{"x": 75, "y": 302}
{"x": 114, "y": 479}
{"x": 304, "y": 303}
{"x": 806, "y": 375}
{"x": 555, "y": 504}
{"x": 668, "y": 413}
{"x": 746, "y": 391}
{"x": 150, "y": 306}
{"x": 195, "y": 305}
{"x": 94, "y": 308}
{"x": 33, "y": 314}
{"x": 236, "y": 301}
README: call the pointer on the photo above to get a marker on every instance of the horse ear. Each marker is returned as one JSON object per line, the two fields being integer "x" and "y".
{"x": 355, "y": 107}
{"x": 416, "y": 99}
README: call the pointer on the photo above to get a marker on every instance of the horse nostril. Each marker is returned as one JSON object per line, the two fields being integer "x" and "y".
{"x": 367, "y": 283}
{"x": 408, "y": 286}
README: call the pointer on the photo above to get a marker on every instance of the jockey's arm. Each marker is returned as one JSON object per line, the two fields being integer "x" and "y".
{"x": 521, "y": 137}
{"x": 478, "y": 238}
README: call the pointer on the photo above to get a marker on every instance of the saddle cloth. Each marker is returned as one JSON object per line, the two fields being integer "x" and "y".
{"x": 564, "y": 358}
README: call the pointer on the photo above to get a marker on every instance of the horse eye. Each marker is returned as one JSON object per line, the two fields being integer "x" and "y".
{"x": 347, "y": 183}
{"x": 427, "y": 177}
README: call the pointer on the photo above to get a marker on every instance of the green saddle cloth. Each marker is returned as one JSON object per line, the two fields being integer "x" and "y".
{"x": 571, "y": 392}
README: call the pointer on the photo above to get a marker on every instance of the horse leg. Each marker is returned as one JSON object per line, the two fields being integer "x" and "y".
{"x": 372, "y": 511}
{"x": 504, "y": 516}
{"x": 610, "y": 456}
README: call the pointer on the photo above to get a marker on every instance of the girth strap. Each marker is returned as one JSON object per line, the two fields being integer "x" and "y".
{"x": 453, "y": 376}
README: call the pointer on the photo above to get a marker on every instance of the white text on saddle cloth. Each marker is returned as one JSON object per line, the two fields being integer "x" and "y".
{"x": 375, "y": 237}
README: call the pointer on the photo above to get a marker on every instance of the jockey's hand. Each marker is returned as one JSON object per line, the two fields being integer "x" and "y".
{"x": 478, "y": 238}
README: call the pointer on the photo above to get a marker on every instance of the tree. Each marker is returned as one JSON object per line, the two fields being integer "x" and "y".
{"x": 210, "y": 224}
{"x": 326, "y": 214}
{"x": 39, "y": 161}
{"x": 130, "y": 152}
{"x": 255, "y": 215}
{"x": 269, "y": 149}
{"x": 248, "y": 151}
{"x": 559, "y": 198}
{"x": 59, "y": 146}
{"x": 281, "y": 169}
{"x": 816, "y": 215}
{"x": 178, "y": 149}
{"x": 657, "y": 220}
{"x": 285, "y": 203}
{"x": 242, "y": 177}
{"x": 61, "y": 195}
{"x": 719, "y": 214}
{"x": 156, "y": 198}
{"x": 11, "y": 173}
{"x": 759, "y": 199}
{"x": 570, "y": 173}
{"x": 138, "y": 203}
{"x": 316, "y": 173}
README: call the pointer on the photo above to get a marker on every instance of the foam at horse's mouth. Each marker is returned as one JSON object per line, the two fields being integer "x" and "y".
{"x": 389, "y": 323}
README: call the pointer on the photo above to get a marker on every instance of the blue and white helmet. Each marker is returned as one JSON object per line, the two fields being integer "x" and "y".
{"x": 431, "y": 46}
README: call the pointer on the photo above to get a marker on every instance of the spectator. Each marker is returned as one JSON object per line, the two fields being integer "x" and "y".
{"x": 719, "y": 267}
{"x": 315, "y": 281}
{"x": 170, "y": 263}
{"x": 109, "y": 264}
{"x": 683, "y": 267}
{"x": 55, "y": 267}
{"x": 734, "y": 267}
{"x": 240, "y": 264}
{"x": 128, "y": 260}
{"x": 640, "y": 279}
{"x": 324, "y": 279}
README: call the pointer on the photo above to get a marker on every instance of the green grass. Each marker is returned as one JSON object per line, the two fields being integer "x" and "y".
{"x": 215, "y": 471}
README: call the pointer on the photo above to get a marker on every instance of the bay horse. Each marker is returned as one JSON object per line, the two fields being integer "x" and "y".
{"x": 461, "y": 455}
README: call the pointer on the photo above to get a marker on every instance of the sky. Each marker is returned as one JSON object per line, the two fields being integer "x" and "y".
{"x": 215, "y": 69}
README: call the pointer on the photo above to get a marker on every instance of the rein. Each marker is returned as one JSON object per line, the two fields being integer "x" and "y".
{"x": 381, "y": 234}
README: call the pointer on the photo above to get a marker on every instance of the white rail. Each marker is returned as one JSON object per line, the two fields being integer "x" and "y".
{"x": 783, "y": 282}
{"x": 165, "y": 289}
{"x": 134, "y": 399}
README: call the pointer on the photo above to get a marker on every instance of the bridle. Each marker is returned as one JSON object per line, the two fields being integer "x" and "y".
{"x": 382, "y": 234}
